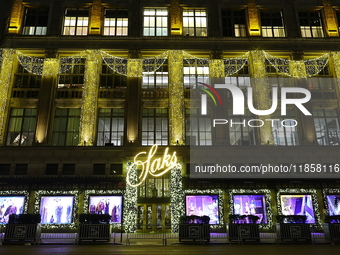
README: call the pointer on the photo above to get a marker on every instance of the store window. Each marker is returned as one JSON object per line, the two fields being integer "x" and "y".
{"x": 110, "y": 127}
{"x": 73, "y": 77}
{"x": 21, "y": 127}
{"x": 326, "y": 123}
{"x": 311, "y": 24}
{"x": 155, "y": 79}
{"x": 116, "y": 22}
{"x": 66, "y": 127}
{"x": 155, "y": 126}
{"x": 195, "y": 22}
{"x": 155, "y": 22}
{"x": 234, "y": 23}
{"x": 35, "y": 21}
{"x": 76, "y": 21}
{"x": 197, "y": 128}
{"x": 195, "y": 71}
{"x": 272, "y": 24}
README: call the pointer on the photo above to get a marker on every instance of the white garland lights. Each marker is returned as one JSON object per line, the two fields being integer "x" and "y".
{"x": 74, "y": 193}
{"x": 176, "y": 198}
{"x": 265, "y": 192}
{"x": 119, "y": 65}
{"x": 311, "y": 192}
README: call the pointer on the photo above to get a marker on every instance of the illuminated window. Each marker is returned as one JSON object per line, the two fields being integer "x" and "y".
{"x": 155, "y": 79}
{"x": 66, "y": 127}
{"x": 197, "y": 128}
{"x": 155, "y": 22}
{"x": 195, "y": 22}
{"x": 76, "y": 21}
{"x": 155, "y": 126}
{"x": 110, "y": 127}
{"x": 21, "y": 127}
{"x": 240, "y": 79}
{"x": 310, "y": 24}
{"x": 116, "y": 22}
{"x": 73, "y": 77}
{"x": 25, "y": 79}
{"x": 35, "y": 21}
{"x": 272, "y": 24}
{"x": 234, "y": 23}
{"x": 240, "y": 134}
{"x": 285, "y": 133}
{"x": 326, "y": 123}
{"x": 195, "y": 71}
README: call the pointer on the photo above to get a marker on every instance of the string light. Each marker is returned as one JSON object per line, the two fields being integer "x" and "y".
{"x": 176, "y": 198}
{"x": 336, "y": 64}
{"x": 89, "y": 100}
{"x": 265, "y": 192}
{"x": 74, "y": 193}
{"x": 5, "y": 78}
{"x": 312, "y": 66}
{"x": 130, "y": 200}
{"x": 176, "y": 98}
{"x": 32, "y": 65}
{"x": 329, "y": 192}
{"x": 301, "y": 191}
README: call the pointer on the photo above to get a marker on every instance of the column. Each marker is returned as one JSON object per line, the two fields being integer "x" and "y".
{"x": 95, "y": 18}
{"x": 217, "y": 76}
{"x": 8, "y": 58}
{"x": 331, "y": 24}
{"x": 254, "y": 28}
{"x": 291, "y": 19}
{"x": 260, "y": 95}
{"x": 88, "y": 115}
{"x": 176, "y": 98}
{"x": 176, "y": 18}
{"x": 297, "y": 69}
{"x": 46, "y": 92}
{"x": 134, "y": 74}
{"x": 16, "y": 17}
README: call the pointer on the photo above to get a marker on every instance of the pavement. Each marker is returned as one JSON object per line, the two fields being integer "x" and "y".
{"x": 186, "y": 249}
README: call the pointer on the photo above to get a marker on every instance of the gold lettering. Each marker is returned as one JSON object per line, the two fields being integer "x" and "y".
{"x": 155, "y": 167}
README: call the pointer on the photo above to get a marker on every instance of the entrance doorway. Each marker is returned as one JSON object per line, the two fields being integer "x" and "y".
{"x": 153, "y": 217}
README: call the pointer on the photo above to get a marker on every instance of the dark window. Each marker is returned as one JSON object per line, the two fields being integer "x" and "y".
{"x": 110, "y": 127}
{"x": 155, "y": 126}
{"x": 69, "y": 169}
{"x": 310, "y": 24}
{"x": 5, "y": 169}
{"x": 116, "y": 168}
{"x": 35, "y": 21}
{"x": 99, "y": 169}
{"x": 272, "y": 24}
{"x": 20, "y": 169}
{"x": 51, "y": 169}
{"x": 109, "y": 79}
{"x": 25, "y": 79}
{"x": 66, "y": 127}
{"x": 234, "y": 23}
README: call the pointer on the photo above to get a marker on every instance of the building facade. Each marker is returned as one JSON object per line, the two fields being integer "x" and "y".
{"x": 85, "y": 86}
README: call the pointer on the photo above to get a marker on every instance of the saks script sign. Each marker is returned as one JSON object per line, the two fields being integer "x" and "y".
{"x": 152, "y": 165}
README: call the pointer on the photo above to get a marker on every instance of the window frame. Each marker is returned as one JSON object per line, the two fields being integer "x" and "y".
{"x": 309, "y": 29}
{"x": 36, "y": 17}
{"x": 155, "y": 24}
{"x": 271, "y": 28}
{"x": 195, "y": 17}
{"x": 116, "y": 18}
{"x": 77, "y": 19}
{"x": 156, "y": 118}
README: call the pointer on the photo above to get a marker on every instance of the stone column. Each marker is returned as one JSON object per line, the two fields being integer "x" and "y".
{"x": 176, "y": 98}
{"x": 134, "y": 74}
{"x": 88, "y": 115}
{"x": 176, "y": 18}
{"x": 297, "y": 69}
{"x": 46, "y": 96}
{"x": 16, "y": 17}
{"x": 331, "y": 24}
{"x": 96, "y": 18}
{"x": 291, "y": 19}
{"x": 8, "y": 58}
{"x": 260, "y": 95}
{"x": 254, "y": 26}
